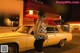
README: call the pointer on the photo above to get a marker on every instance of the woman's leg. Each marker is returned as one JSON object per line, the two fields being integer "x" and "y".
{"x": 35, "y": 45}
{"x": 42, "y": 41}
{"x": 38, "y": 45}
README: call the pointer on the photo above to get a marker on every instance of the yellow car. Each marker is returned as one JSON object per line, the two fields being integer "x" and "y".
{"x": 22, "y": 38}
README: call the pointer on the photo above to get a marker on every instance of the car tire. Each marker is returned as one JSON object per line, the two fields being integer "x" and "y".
{"x": 12, "y": 49}
{"x": 62, "y": 43}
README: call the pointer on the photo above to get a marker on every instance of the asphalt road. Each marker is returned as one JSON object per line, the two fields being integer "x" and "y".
{"x": 71, "y": 47}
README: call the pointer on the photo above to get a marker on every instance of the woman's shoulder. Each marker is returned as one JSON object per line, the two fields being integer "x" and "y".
{"x": 43, "y": 24}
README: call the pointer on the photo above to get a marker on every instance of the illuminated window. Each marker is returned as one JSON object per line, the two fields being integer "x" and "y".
{"x": 76, "y": 28}
{"x": 31, "y": 12}
{"x": 9, "y": 20}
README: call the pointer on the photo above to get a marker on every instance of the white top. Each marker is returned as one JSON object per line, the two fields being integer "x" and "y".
{"x": 42, "y": 29}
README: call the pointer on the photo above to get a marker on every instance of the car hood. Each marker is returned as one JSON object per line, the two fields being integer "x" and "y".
{"x": 10, "y": 34}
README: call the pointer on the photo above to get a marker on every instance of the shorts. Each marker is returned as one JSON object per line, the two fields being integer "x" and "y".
{"x": 38, "y": 45}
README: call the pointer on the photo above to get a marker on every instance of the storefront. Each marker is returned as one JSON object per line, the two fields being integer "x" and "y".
{"x": 9, "y": 20}
{"x": 74, "y": 26}
{"x": 10, "y": 12}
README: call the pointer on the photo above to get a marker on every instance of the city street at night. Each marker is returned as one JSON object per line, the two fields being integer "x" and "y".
{"x": 49, "y": 26}
{"x": 73, "y": 46}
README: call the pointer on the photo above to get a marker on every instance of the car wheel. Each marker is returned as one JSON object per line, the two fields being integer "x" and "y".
{"x": 62, "y": 43}
{"x": 12, "y": 49}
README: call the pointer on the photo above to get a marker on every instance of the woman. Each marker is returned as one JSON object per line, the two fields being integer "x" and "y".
{"x": 40, "y": 33}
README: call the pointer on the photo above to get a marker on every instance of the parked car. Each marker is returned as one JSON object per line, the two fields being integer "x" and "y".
{"x": 22, "y": 38}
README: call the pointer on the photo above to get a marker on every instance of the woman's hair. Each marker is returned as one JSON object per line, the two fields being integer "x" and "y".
{"x": 41, "y": 14}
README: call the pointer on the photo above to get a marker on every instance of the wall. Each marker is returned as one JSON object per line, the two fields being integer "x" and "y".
{"x": 10, "y": 6}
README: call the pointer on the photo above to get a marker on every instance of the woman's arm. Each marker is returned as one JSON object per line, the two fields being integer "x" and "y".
{"x": 37, "y": 29}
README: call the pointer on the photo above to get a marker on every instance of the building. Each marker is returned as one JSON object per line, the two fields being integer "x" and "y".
{"x": 11, "y": 11}
{"x": 31, "y": 12}
{"x": 14, "y": 13}
{"x": 18, "y": 12}
{"x": 74, "y": 26}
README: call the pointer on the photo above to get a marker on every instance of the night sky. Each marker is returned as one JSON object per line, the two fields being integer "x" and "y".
{"x": 76, "y": 12}
{"x": 71, "y": 14}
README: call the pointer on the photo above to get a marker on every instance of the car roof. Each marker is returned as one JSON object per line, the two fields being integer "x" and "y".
{"x": 52, "y": 26}
{"x": 46, "y": 25}
{"x": 28, "y": 25}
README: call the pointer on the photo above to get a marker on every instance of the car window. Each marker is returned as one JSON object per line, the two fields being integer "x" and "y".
{"x": 32, "y": 32}
{"x": 24, "y": 29}
{"x": 56, "y": 30}
{"x": 50, "y": 30}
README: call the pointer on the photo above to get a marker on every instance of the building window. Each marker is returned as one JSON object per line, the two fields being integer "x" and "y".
{"x": 9, "y": 20}
{"x": 65, "y": 28}
{"x": 76, "y": 28}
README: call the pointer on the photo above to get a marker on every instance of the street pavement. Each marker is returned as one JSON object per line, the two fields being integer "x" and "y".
{"x": 71, "y": 47}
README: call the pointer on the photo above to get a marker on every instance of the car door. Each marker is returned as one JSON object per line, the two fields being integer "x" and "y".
{"x": 59, "y": 35}
{"x": 51, "y": 35}
{"x": 25, "y": 38}
{"x": 30, "y": 40}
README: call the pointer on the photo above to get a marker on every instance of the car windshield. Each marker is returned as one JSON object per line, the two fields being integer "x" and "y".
{"x": 24, "y": 29}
